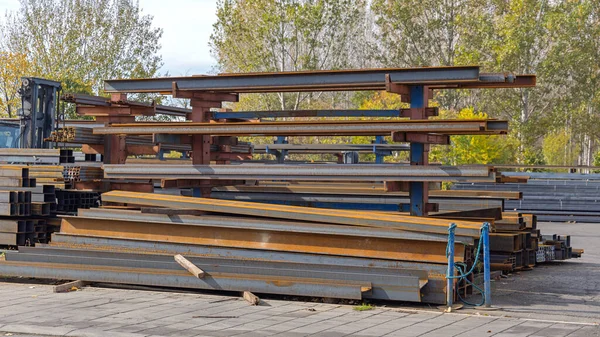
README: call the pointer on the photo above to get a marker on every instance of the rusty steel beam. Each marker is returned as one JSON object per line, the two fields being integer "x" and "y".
{"x": 312, "y": 128}
{"x": 382, "y": 248}
{"x": 354, "y": 218}
{"x": 319, "y": 80}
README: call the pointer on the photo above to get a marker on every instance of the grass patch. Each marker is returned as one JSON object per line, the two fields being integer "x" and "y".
{"x": 364, "y": 307}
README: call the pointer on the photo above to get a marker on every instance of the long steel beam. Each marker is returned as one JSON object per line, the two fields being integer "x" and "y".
{"x": 370, "y": 172}
{"x": 324, "y": 80}
{"x": 391, "y": 284}
{"x": 357, "y": 190}
{"x": 381, "y": 248}
{"x": 308, "y": 113}
{"x": 293, "y": 213}
{"x": 433, "y": 291}
{"x": 183, "y": 279}
{"x": 372, "y": 202}
{"x": 266, "y": 225}
{"x": 312, "y": 128}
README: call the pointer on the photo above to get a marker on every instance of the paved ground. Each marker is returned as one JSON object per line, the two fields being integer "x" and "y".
{"x": 555, "y": 300}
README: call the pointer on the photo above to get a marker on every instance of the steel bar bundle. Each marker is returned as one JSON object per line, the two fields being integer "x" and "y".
{"x": 312, "y": 128}
{"x": 302, "y": 172}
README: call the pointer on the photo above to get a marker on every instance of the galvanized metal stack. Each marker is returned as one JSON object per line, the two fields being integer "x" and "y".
{"x": 551, "y": 196}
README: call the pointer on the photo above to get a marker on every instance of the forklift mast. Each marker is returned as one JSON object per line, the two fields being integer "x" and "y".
{"x": 39, "y": 99}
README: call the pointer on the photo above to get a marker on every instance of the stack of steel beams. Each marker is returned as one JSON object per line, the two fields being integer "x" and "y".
{"x": 551, "y": 196}
{"x": 270, "y": 249}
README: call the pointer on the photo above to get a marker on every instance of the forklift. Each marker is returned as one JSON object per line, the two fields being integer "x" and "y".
{"x": 37, "y": 116}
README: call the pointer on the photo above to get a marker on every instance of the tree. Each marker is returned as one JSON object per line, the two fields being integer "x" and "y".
{"x": 413, "y": 33}
{"x": 14, "y": 66}
{"x": 515, "y": 35}
{"x": 474, "y": 149}
{"x": 83, "y": 42}
{"x": 558, "y": 149}
{"x": 287, "y": 35}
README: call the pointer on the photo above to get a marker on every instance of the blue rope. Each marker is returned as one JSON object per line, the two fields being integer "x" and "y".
{"x": 460, "y": 267}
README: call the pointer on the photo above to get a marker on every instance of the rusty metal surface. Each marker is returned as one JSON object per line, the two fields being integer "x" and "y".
{"x": 311, "y": 128}
{"x": 272, "y": 225}
{"x": 405, "y": 250}
{"x": 320, "y": 80}
{"x": 387, "y": 283}
{"x": 432, "y": 292}
{"x": 355, "y": 218}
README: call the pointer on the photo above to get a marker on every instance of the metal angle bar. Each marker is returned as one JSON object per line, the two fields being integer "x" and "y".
{"x": 328, "y": 128}
{"x": 182, "y": 279}
{"x": 342, "y": 80}
{"x": 264, "y": 224}
{"x": 292, "y": 213}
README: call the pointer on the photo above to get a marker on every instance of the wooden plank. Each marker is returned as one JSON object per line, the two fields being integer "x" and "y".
{"x": 70, "y": 286}
{"x": 189, "y": 266}
{"x": 251, "y": 298}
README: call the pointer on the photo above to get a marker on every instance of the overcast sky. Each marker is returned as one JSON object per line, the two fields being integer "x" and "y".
{"x": 186, "y": 24}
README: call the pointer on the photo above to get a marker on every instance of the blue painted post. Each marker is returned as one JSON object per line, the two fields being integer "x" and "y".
{"x": 196, "y": 192}
{"x": 378, "y": 154}
{"x": 161, "y": 154}
{"x": 417, "y": 191}
{"x": 485, "y": 236}
{"x": 282, "y": 153}
{"x": 450, "y": 273}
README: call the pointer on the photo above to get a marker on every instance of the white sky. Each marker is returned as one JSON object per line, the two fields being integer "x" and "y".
{"x": 186, "y": 24}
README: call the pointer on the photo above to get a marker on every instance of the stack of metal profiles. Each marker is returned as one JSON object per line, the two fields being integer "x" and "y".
{"x": 249, "y": 246}
{"x": 36, "y": 156}
{"x": 24, "y": 207}
{"x": 279, "y": 249}
{"x": 356, "y": 195}
{"x": 551, "y": 196}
